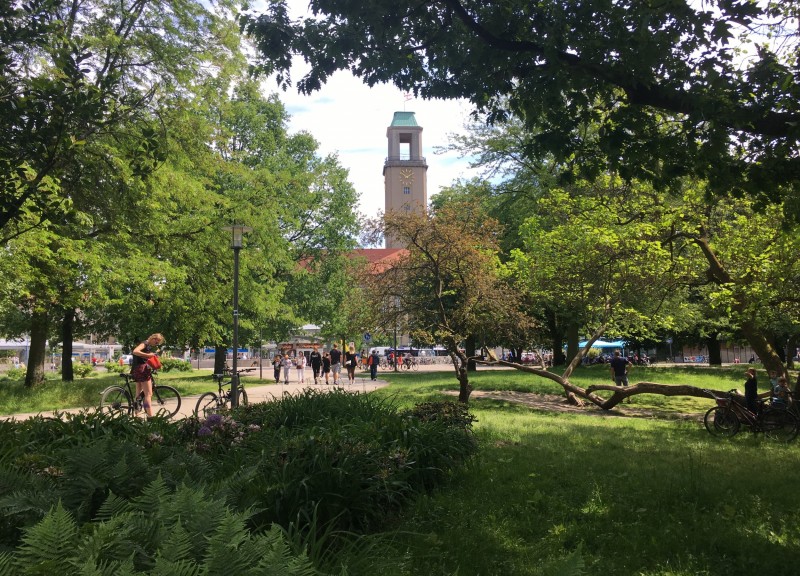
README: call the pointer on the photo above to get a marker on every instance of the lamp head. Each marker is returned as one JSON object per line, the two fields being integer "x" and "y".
{"x": 237, "y": 230}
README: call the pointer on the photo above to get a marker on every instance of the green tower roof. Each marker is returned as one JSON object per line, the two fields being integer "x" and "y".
{"x": 404, "y": 119}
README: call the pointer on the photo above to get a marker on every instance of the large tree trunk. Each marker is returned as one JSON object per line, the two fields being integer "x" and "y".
{"x": 791, "y": 350}
{"x": 469, "y": 347}
{"x": 763, "y": 348}
{"x": 573, "y": 339}
{"x": 67, "y": 325}
{"x": 556, "y": 338}
{"x": 37, "y": 353}
{"x": 714, "y": 352}
{"x": 220, "y": 358}
{"x": 754, "y": 335}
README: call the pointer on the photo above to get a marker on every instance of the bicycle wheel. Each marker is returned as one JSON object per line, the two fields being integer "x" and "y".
{"x": 166, "y": 401}
{"x": 116, "y": 400}
{"x": 721, "y": 422}
{"x": 415, "y": 366}
{"x": 242, "y": 394}
{"x": 207, "y": 404}
{"x": 778, "y": 424}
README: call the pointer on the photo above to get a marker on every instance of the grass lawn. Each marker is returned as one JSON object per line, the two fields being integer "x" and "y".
{"x": 567, "y": 494}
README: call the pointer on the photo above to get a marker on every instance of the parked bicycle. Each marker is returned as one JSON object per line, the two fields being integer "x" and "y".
{"x": 166, "y": 400}
{"x": 728, "y": 416}
{"x": 210, "y": 402}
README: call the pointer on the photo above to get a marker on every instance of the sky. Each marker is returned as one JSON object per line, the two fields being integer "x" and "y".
{"x": 349, "y": 119}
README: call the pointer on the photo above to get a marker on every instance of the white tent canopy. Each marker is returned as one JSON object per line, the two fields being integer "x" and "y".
{"x": 603, "y": 344}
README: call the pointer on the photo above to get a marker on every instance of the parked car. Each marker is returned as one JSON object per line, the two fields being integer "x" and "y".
{"x": 127, "y": 358}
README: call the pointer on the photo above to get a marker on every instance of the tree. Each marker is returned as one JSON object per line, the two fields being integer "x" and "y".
{"x": 233, "y": 159}
{"x": 449, "y": 283}
{"x": 86, "y": 91}
{"x": 592, "y": 257}
{"x": 733, "y": 256}
{"x": 668, "y": 93}
{"x": 73, "y": 72}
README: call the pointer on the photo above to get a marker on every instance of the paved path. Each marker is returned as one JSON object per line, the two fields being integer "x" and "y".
{"x": 266, "y": 393}
{"x": 263, "y": 393}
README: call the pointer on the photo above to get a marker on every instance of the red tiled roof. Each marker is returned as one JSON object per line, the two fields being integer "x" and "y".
{"x": 379, "y": 259}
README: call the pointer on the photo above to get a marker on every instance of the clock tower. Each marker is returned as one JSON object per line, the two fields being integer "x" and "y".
{"x": 405, "y": 170}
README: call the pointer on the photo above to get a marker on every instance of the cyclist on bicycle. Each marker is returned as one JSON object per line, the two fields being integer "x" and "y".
{"x": 141, "y": 370}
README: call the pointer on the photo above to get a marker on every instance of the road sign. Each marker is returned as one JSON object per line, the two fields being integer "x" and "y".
{"x": 367, "y": 336}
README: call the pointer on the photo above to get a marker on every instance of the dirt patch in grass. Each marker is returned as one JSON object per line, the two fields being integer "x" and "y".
{"x": 555, "y": 403}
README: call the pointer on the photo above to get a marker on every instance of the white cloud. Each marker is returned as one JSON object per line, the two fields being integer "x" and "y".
{"x": 349, "y": 119}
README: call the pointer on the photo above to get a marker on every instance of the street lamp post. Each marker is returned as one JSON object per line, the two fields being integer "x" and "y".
{"x": 396, "y": 310}
{"x": 237, "y": 230}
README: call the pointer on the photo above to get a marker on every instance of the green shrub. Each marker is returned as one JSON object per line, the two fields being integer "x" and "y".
{"x": 15, "y": 373}
{"x": 115, "y": 367}
{"x": 316, "y": 464}
{"x": 169, "y": 364}
{"x": 83, "y": 369}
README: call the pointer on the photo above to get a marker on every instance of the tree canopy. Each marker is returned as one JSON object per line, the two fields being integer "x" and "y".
{"x": 448, "y": 283}
{"x": 653, "y": 90}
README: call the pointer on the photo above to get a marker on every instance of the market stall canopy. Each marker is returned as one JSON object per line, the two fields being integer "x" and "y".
{"x": 604, "y": 344}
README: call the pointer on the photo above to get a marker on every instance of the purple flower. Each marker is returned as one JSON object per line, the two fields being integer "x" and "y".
{"x": 204, "y": 431}
{"x": 214, "y": 420}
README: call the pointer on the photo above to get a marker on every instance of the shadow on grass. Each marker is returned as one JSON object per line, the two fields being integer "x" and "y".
{"x": 638, "y": 497}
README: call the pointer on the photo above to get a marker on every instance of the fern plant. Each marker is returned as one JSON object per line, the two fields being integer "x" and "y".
{"x": 183, "y": 533}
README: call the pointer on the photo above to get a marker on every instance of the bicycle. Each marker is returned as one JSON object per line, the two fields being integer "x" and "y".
{"x": 166, "y": 400}
{"x": 727, "y": 417}
{"x": 410, "y": 364}
{"x": 210, "y": 402}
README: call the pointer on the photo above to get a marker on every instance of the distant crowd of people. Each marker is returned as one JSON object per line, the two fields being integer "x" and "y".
{"x": 327, "y": 367}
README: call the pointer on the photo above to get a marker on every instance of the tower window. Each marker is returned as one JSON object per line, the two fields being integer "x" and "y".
{"x": 406, "y": 190}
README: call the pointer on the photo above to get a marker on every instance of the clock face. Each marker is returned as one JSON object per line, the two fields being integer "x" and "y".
{"x": 406, "y": 175}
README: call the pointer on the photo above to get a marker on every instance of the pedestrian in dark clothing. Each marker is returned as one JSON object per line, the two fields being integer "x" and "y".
{"x": 326, "y": 366}
{"x": 315, "y": 359}
{"x": 751, "y": 390}
{"x": 276, "y": 367}
{"x": 619, "y": 369}
{"x": 374, "y": 360}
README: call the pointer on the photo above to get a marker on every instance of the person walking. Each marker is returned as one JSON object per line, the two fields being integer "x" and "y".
{"x": 336, "y": 363}
{"x": 619, "y": 369}
{"x": 374, "y": 360}
{"x": 326, "y": 366}
{"x": 286, "y": 363}
{"x": 276, "y": 367}
{"x": 315, "y": 359}
{"x": 619, "y": 365}
{"x": 300, "y": 364}
{"x": 142, "y": 372}
{"x": 350, "y": 360}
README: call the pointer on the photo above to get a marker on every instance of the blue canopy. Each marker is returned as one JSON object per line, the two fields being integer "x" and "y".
{"x": 604, "y": 344}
